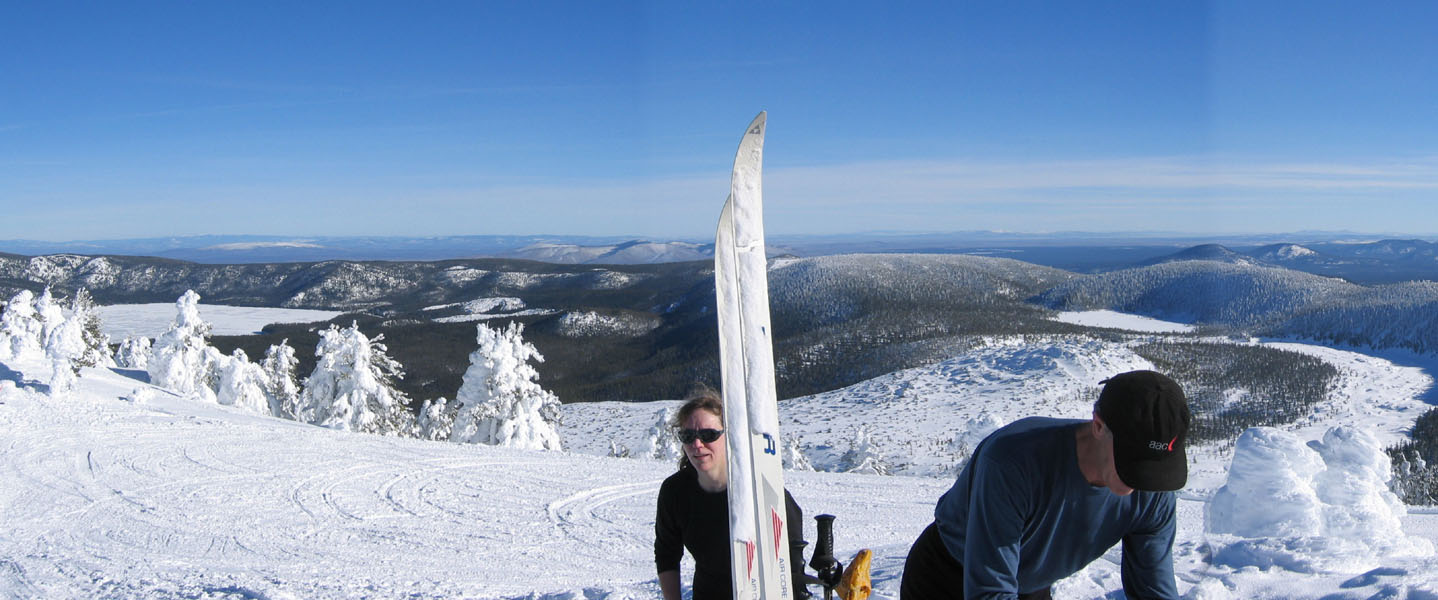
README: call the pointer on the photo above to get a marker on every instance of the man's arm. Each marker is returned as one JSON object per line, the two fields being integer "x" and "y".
{"x": 993, "y": 530}
{"x": 1148, "y": 554}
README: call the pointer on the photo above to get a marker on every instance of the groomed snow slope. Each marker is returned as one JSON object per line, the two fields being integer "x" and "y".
{"x": 120, "y": 490}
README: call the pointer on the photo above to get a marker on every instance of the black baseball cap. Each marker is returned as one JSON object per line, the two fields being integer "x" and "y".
{"x": 1148, "y": 415}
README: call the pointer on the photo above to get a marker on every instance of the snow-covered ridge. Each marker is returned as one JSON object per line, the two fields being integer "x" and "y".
{"x": 593, "y": 324}
{"x": 471, "y": 318}
{"x": 240, "y": 246}
{"x": 1292, "y": 251}
{"x": 482, "y": 305}
{"x": 325, "y": 285}
{"x": 633, "y": 252}
{"x": 486, "y": 309}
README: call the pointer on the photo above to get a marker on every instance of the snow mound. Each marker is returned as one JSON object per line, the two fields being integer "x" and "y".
{"x": 974, "y": 431}
{"x": 1318, "y": 507}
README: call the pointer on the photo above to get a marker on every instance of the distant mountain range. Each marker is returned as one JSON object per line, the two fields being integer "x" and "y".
{"x": 246, "y": 249}
{"x": 1331, "y": 254}
{"x": 1383, "y": 261}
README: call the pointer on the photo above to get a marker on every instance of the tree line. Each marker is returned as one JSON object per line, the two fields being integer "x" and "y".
{"x": 352, "y": 386}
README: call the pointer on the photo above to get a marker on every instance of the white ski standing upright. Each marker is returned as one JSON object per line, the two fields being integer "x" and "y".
{"x": 759, "y": 538}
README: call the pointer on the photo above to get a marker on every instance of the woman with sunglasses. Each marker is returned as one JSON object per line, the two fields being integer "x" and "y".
{"x": 693, "y": 508}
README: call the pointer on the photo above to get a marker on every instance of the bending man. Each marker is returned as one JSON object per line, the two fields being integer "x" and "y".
{"x": 1041, "y": 498}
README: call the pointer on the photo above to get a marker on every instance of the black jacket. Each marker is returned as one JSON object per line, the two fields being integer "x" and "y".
{"x": 690, "y": 518}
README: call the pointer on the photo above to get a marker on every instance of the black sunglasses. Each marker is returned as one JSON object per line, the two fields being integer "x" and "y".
{"x": 708, "y": 436}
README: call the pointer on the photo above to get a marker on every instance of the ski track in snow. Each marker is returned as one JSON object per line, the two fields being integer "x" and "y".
{"x": 167, "y": 497}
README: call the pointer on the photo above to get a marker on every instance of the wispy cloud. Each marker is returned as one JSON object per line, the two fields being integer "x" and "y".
{"x": 1142, "y": 194}
{"x": 951, "y": 179}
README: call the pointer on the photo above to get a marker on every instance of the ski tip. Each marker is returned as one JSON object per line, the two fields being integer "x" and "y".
{"x": 756, "y": 127}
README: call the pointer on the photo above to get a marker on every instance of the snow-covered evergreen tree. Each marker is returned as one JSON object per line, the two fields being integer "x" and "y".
{"x": 436, "y": 419}
{"x": 214, "y": 366}
{"x": 133, "y": 353}
{"x": 178, "y": 360}
{"x": 282, "y": 382}
{"x": 500, "y": 401}
{"x": 660, "y": 443}
{"x": 97, "y": 343}
{"x": 50, "y": 313}
{"x": 352, "y": 388}
{"x": 64, "y": 347}
{"x": 20, "y": 328}
{"x": 242, "y": 384}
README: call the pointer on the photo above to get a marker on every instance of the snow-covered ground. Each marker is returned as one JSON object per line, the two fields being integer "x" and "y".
{"x": 121, "y": 490}
{"x": 150, "y": 320}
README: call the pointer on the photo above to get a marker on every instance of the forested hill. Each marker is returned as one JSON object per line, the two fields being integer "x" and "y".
{"x": 1263, "y": 300}
{"x": 647, "y": 331}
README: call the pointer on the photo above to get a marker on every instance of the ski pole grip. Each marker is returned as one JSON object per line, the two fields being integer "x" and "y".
{"x": 825, "y": 546}
{"x": 823, "y": 562}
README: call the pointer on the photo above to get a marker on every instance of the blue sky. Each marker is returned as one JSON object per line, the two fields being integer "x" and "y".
{"x": 143, "y": 119}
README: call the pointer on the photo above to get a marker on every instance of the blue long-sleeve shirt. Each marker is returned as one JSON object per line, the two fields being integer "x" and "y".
{"x": 1022, "y": 515}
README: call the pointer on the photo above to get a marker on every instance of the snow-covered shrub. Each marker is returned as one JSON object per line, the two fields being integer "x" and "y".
{"x": 21, "y": 333}
{"x": 500, "y": 401}
{"x": 793, "y": 457}
{"x": 352, "y": 386}
{"x": 62, "y": 376}
{"x": 133, "y": 353}
{"x": 178, "y": 360}
{"x": 282, "y": 384}
{"x": 242, "y": 384}
{"x": 863, "y": 456}
{"x": 1320, "y": 506}
{"x": 140, "y": 395}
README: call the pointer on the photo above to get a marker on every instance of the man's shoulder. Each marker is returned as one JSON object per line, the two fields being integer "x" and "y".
{"x": 1030, "y": 432}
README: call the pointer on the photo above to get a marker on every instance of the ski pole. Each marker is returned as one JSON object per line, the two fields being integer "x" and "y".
{"x": 824, "y": 564}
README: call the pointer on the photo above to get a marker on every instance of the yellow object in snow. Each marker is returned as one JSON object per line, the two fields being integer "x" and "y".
{"x": 855, "y": 584}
